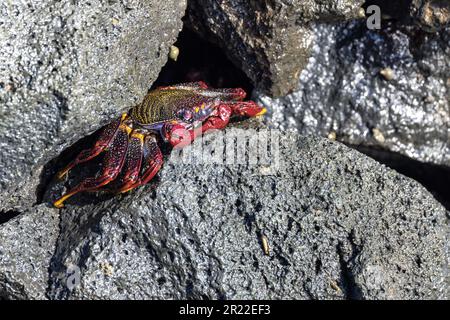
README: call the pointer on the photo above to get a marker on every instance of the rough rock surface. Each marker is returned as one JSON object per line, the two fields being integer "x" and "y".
{"x": 339, "y": 225}
{"x": 343, "y": 93}
{"x": 268, "y": 40}
{"x": 27, "y": 243}
{"x": 66, "y": 68}
{"x": 431, "y": 15}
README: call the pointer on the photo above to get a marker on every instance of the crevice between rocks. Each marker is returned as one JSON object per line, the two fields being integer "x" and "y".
{"x": 351, "y": 290}
{"x": 7, "y": 215}
{"x": 201, "y": 60}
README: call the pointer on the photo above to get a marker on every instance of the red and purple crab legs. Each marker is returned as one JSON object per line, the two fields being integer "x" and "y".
{"x": 145, "y": 147}
{"x": 106, "y": 135}
{"x": 123, "y": 151}
{"x": 178, "y": 136}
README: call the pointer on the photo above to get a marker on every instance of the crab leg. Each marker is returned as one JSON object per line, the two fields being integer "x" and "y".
{"x": 223, "y": 112}
{"x": 112, "y": 164}
{"x": 179, "y": 136}
{"x": 201, "y": 88}
{"x": 133, "y": 162}
{"x": 107, "y": 134}
{"x": 246, "y": 108}
{"x": 187, "y": 86}
{"x": 153, "y": 158}
{"x": 221, "y": 116}
{"x": 224, "y": 94}
{"x": 219, "y": 119}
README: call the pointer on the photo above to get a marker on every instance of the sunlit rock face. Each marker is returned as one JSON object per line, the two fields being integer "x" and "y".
{"x": 385, "y": 88}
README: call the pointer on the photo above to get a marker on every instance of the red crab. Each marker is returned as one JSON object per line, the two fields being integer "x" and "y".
{"x": 177, "y": 114}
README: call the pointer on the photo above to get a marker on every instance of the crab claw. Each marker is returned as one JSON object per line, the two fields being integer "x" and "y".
{"x": 178, "y": 135}
{"x": 247, "y": 108}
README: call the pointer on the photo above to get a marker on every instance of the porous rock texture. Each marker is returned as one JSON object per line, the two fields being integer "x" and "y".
{"x": 268, "y": 39}
{"x": 432, "y": 15}
{"x": 27, "y": 243}
{"x": 66, "y": 69}
{"x": 338, "y": 224}
{"x": 387, "y": 89}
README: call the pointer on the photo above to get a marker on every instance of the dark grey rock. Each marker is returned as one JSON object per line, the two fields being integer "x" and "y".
{"x": 342, "y": 92}
{"x": 27, "y": 244}
{"x": 66, "y": 69}
{"x": 339, "y": 225}
{"x": 431, "y": 15}
{"x": 268, "y": 40}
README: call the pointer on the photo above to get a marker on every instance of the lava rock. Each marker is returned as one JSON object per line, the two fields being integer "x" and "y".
{"x": 268, "y": 40}
{"x": 385, "y": 89}
{"x": 27, "y": 244}
{"x": 66, "y": 68}
{"x": 338, "y": 225}
{"x": 431, "y": 15}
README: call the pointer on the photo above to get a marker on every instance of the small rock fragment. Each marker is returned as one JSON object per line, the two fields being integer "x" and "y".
{"x": 361, "y": 13}
{"x": 106, "y": 268}
{"x": 378, "y": 135}
{"x": 431, "y": 15}
{"x": 332, "y": 135}
{"x": 335, "y": 286}
{"x": 174, "y": 52}
{"x": 387, "y": 73}
{"x": 265, "y": 244}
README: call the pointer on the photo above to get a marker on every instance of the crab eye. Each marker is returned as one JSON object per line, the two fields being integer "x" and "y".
{"x": 185, "y": 115}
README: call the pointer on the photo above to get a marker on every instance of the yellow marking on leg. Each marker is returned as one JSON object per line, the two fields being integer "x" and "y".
{"x": 59, "y": 203}
{"x": 61, "y": 174}
{"x": 263, "y": 111}
{"x": 138, "y": 135}
{"x": 127, "y": 189}
{"x": 128, "y": 129}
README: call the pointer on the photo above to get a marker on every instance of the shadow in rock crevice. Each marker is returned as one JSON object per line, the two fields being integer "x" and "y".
{"x": 201, "y": 60}
{"x": 8, "y": 215}
{"x": 398, "y": 9}
{"x": 50, "y": 188}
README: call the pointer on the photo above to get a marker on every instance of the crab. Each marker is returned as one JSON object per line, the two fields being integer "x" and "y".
{"x": 175, "y": 115}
